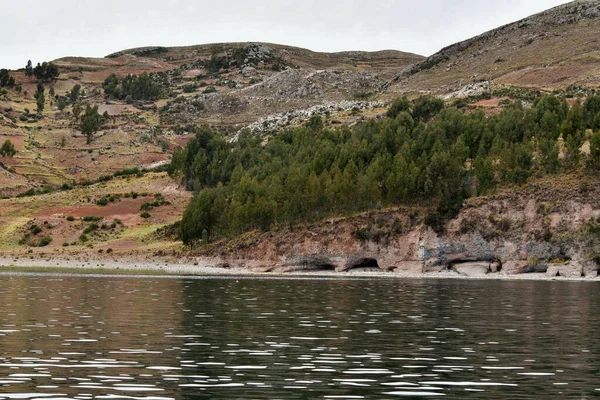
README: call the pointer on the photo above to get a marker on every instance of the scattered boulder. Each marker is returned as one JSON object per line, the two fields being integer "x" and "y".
{"x": 515, "y": 267}
{"x": 473, "y": 268}
{"x": 249, "y": 71}
{"x": 571, "y": 269}
{"x": 411, "y": 267}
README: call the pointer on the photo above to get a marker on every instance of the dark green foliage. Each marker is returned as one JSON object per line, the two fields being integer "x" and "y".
{"x": 141, "y": 87}
{"x": 189, "y": 88}
{"x": 145, "y": 215}
{"x": 90, "y": 218}
{"x": 160, "y": 201}
{"x": 110, "y": 85}
{"x": 5, "y": 79}
{"x": 90, "y": 228}
{"x": 315, "y": 124}
{"x": 45, "y": 241}
{"x": 133, "y": 87}
{"x": 217, "y": 63}
{"x": 70, "y": 218}
{"x": 591, "y": 108}
{"x": 74, "y": 93}
{"x": 35, "y": 192}
{"x": 40, "y": 98}
{"x": 29, "y": 69}
{"x": 45, "y": 72}
{"x": 398, "y": 106}
{"x": 102, "y": 201}
{"x": 127, "y": 172}
{"x": 8, "y": 149}
{"x": 427, "y": 155}
{"x": 426, "y": 108}
{"x": 595, "y": 151}
{"x": 91, "y": 121}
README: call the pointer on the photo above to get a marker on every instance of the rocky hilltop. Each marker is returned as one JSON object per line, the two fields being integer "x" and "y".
{"x": 551, "y": 50}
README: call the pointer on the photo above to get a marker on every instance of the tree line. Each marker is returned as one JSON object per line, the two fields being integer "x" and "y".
{"x": 422, "y": 153}
{"x": 132, "y": 87}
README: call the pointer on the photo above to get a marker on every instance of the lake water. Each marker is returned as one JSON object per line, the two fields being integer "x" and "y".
{"x": 84, "y": 337}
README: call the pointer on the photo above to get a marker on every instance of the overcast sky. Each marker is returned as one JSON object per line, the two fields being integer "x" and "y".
{"x": 43, "y": 30}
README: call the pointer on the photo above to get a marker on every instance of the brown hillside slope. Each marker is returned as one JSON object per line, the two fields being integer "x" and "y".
{"x": 551, "y": 50}
{"x": 384, "y": 62}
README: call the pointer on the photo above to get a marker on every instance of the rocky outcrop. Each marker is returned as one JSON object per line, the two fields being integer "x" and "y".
{"x": 294, "y": 84}
{"x": 281, "y": 120}
{"x": 473, "y": 269}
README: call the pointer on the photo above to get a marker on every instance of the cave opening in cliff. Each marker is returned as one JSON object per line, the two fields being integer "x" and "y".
{"x": 365, "y": 263}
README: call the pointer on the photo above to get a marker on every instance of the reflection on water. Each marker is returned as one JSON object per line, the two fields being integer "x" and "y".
{"x": 156, "y": 338}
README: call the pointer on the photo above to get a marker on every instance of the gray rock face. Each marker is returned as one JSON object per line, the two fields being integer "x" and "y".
{"x": 515, "y": 267}
{"x": 473, "y": 269}
{"x": 281, "y": 120}
{"x": 249, "y": 71}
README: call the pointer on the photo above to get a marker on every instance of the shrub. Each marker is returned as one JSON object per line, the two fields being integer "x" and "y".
{"x": 145, "y": 215}
{"x": 109, "y": 250}
{"x": 435, "y": 221}
{"x": 46, "y": 240}
{"x": 102, "y": 202}
{"x": 189, "y": 88}
{"x": 8, "y": 149}
{"x": 70, "y": 218}
{"x": 91, "y": 219}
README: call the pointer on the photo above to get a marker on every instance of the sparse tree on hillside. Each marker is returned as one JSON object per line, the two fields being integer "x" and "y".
{"x": 595, "y": 151}
{"x": 5, "y": 79}
{"x": 45, "y": 72}
{"x": 74, "y": 93}
{"x": 76, "y": 111}
{"x": 110, "y": 85}
{"x": 91, "y": 121}
{"x": 61, "y": 103}
{"x": 591, "y": 108}
{"x": 40, "y": 98}
{"x": 8, "y": 149}
{"x": 29, "y": 69}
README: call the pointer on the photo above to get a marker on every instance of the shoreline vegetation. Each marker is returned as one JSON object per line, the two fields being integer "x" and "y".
{"x": 206, "y": 267}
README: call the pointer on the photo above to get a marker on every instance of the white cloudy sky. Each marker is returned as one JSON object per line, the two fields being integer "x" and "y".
{"x": 48, "y": 29}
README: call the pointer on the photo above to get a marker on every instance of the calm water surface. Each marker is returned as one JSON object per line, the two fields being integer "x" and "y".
{"x": 180, "y": 338}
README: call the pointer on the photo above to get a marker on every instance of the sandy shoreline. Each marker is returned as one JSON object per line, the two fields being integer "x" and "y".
{"x": 205, "y": 267}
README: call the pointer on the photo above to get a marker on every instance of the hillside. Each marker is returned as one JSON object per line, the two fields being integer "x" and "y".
{"x": 224, "y": 145}
{"x": 552, "y": 50}
{"x": 227, "y": 86}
